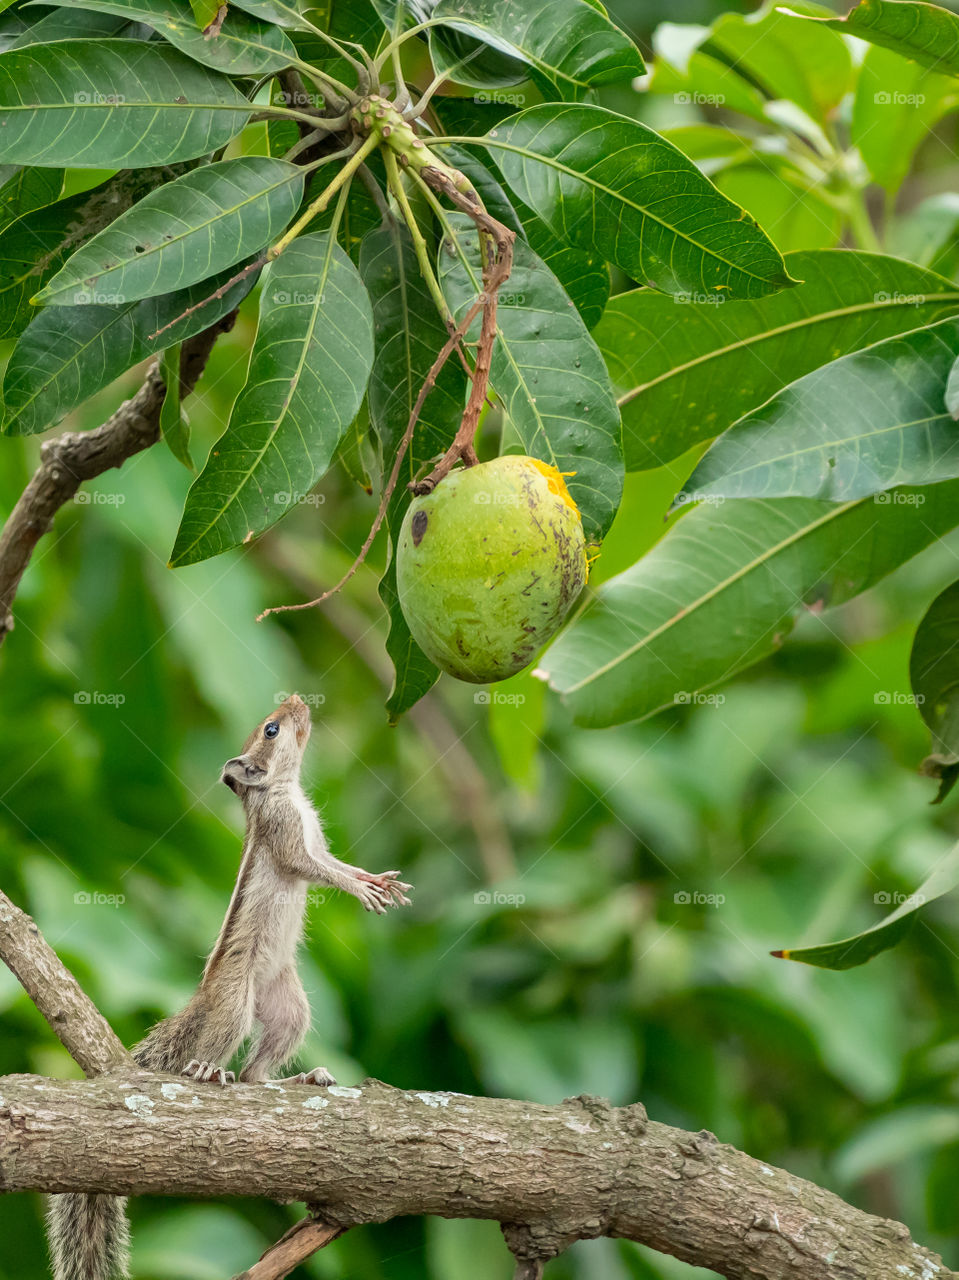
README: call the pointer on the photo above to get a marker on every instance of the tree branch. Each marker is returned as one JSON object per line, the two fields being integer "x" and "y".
{"x": 73, "y": 457}
{"x": 578, "y": 1170}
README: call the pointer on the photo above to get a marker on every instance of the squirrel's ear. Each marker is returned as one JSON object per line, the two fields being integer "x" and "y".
{"x": 242, "y": 771}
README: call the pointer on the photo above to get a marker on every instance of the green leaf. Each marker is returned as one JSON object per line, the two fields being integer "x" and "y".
{"x": 683, "y": 374}
{"x": 112, "y": 103}
{"x": 924, "y": 33}
{"x": 603, "y": 182}
{"x": 934, "y": 676}
{"x": 549, "y": 374}
{"x": 174, "y": 426}
{"x": 182, "y": 232}
{"x": 71, "y": 24}
{"x": 204, "y": 12}
{"x": 31, "y": 249}
{"x": 952, "y": 392}
{"x": 27, "y": 189}
{"x": 244, "y": 46}
{"x": 853, "y": 427}
{"x": 786, "y": 56}
{"x": 308, "y": 371}
{"x": 850, "y": 952}
{"x": 795, "y": 215}
{"x": 723, "y": 589}
{"x": 409, "y": 336}
{"x": 568, "y": 43}
{"x": 896, "y": 105}
{"x": 67, "y": 354}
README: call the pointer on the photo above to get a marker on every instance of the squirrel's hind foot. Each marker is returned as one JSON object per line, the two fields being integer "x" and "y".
{"x": 318, "y": 1076}
{"x": 207, "y": 1073}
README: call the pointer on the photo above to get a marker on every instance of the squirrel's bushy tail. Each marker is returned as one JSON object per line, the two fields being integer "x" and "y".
{"x": 89, "y": 1237}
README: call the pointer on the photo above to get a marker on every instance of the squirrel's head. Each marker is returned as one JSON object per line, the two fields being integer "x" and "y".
{"x": 274, "y": 750}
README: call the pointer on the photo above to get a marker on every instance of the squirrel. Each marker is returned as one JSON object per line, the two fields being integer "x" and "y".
{"x": 250, "y": 979}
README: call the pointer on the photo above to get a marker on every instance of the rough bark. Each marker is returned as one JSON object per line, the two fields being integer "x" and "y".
{"x": 577, "y": 1170}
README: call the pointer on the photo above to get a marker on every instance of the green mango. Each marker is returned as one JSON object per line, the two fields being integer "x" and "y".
{"x": 488, "y": 566}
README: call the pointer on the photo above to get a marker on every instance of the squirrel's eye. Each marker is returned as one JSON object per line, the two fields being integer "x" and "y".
{"x": 272, "y": 729}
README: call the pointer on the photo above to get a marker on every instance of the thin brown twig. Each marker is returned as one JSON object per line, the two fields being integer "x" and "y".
{"x": 452, "y": 342}
{"x": 303, "y": 1239}
{"x": 497, "y": 245}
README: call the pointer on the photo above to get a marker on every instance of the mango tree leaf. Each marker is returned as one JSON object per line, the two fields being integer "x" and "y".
{"x": 24, "y": 190}
{"x": 31, "y": 249}
{"x": 707, "y": 82}
{"x": 925, "y": 33}
{"x": 683, "y": 374}
{"x": 794, "y": 215}
{"x": 603, "y": 182}
{"x": 174, "y": 426}
{"x": 308, "y": 371}
{"x": 582, "y": 273}
{"x": 242, "y": 47}
{"x": 72, "y": 24}
{"x": 549, "y": 374}
{"x": 952, "y": 392}
{"x": 67, "y": 354}
{"x": 858, "y": 425}
{"x": 112, "y": 103}
{"x": 567, "y": 43}
{"x": 895, "y": 106}
{"x": 934, "y": 675}
{"x": 722, "y": 590}
{"x": 182, "y": 232}
{"x": 785, "y": 55}
{"x": 850, "y": 952}
{"x": 204, "y": 12}
{"x": 284, "y": 15}
{"x": 409, "y": 335}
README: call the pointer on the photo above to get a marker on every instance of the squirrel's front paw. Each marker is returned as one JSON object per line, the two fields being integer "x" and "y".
{"x": 207, "y": 1073}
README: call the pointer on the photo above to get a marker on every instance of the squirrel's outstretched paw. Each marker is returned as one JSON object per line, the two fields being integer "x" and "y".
{"x": 207, "y": 1073}
{"x": 318, "y": 1076}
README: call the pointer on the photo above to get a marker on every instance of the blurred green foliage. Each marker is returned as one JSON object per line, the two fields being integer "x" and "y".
{"x": 593, "y": 911}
